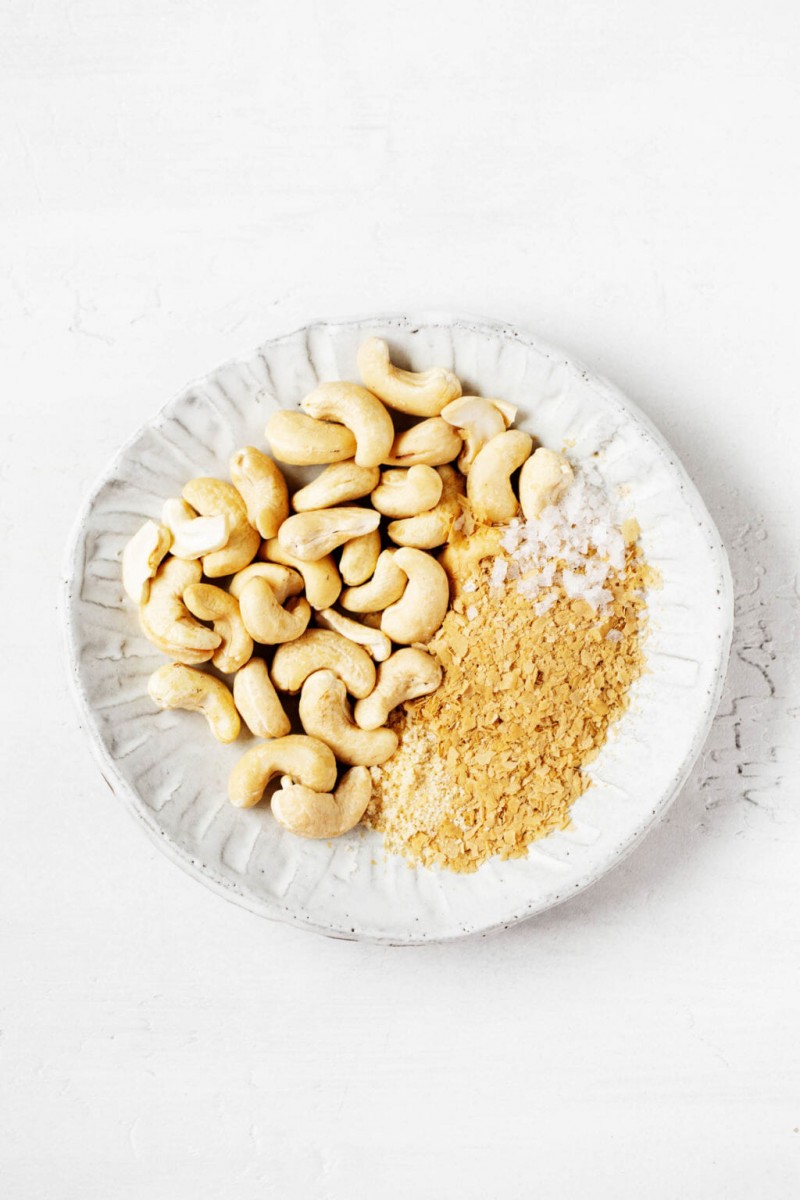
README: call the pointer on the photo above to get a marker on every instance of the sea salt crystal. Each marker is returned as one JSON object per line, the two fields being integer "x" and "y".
{"x": 470, "y": 585}
{"x": 472, "y": 612}
{"x": 581, "y": 532}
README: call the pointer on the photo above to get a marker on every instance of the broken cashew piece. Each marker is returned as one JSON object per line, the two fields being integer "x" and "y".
{"x": 211, "y": 603}
{"x": 258, "y": 702}
{"x": 384, "y": 588}
{"x": 321, "y": 578}
{"x": 419, "y": 612}
{"x": 489, "y": 489}
{"x": 464, "y": 554}
{"x": 374, "y": 641}
{"x": 301, "y": 758}
{"x": 407, "y": 675}
{"x": 179, "y": 686}
{"x": 431, "y": 529}
{"x": 283, "y": 580}
{"x": 359, "y": 558}
{"x": 479, "y": 420}
{"x": 312, "y": 535}
{"x": 167, "y": 622}
{"x": 260, "y": 483}
{"x": 193, "y": 536}
{"x": 423, "y": 393}
{"x": 325, "y": 714}
{"x": 141, "y": 559}
{"x": 304, "y": 442}
{"x": 429, "y": 443}
{"x": 322, "y": 649}
{"x": 323, "y": 814}
{"x": 337, "y": 484}
{"x": 543, "y": 480}
{"x": 404, "y": 493}
{"x": 267, "y": 621}
{"x": 211, "y": 497}
{"x": 358, "y": 410}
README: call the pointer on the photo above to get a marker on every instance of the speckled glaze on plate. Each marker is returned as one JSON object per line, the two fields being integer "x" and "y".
{"x": 172, "y": 776}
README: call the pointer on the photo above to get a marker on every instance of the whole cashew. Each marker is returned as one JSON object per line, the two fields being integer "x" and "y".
{"x": 261, "y": 485}
{"x": 432, "y": 528}
{"x": 430, "y": 443}
{"x": 543, "y": 480}
{"x": 337, "y": 484}
{"x": 408, "y": 674}
{"x": 141, "y": 558}
{"x": 387, "y": 585}
{"x": 211, "y": 603}
{"x": 193, "y": 536}
{"x": 283, "y": 580}
{"x": 358, "y": 410}
{"x": 167, "y": 622}
{"x": 325, "y": 714}
{"x": 179, "y": 686}
{"x": 257, "y": 701}
{"x": 359, "y": 557}
{"x": 480, "y": 420}
{"x": 312, "y": 535}
{"x": 404, "y": 493}
{"x": 211, "y": 497}
{"x": 303, "y": 758}
{"x": 489, "y": 488}
{"x": 421, "y": 609}
{"x": 300, "y": 440}
{"x": 319, "y": 649}
{"x": 374, "y": 641}
{"x": 321, "y": 578}
{"x": 423, "y": 393}
{"x": 266, "y": 620}
{"x": 322, "y": 814}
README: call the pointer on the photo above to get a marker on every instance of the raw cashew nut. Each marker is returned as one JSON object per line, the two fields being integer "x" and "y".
{"x": 179, "y": 686}
{"x": 300, "y": 758}
{"x": 423, "y": 393}
{"x": 337, "y": 484}
{"x": 359, "y": 557}
{"x": 266, "y": 620}
{"x": 404, "y": 493}
{"x": 432, "y": 528}
{"x": 141, "y": 558}
{"x": 489, "y": 490}
{"x": 421, "y": 609}
{"x": 387, "y": 585}
{"x": 322, "y": 649}
{"x": 432, "y": 443}
{"x": 480, "y": 420}
{"x": 358, "y": 410}
{"x": 312, "y": 535}
{"x": 543, "y": 480}
{"x": 300, "y": 440}
{"x": 167, "y": 622}
{"x": 283, "y": 580}
{"x": 408, "y": 674}
{"x": 260, "y": 483}
{"x": 193, "y": 536}
{"x": 210, "y": 497}
{"x": 322, "y": 814}
{"x": 257, "y": 701}
{"x": 374, "y": 641}
{"x": 321, "y": 578}
{"x": 211, "y": 603}
{"x": 325, "y": 714}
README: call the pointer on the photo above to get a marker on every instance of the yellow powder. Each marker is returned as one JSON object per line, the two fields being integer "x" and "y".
{"x": 492, "y": 760}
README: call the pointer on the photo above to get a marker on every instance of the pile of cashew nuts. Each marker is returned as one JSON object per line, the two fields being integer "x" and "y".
{"x": 274, "y": 553}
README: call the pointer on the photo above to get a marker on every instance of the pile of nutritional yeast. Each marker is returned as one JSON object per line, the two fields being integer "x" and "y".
{"x": 539, "y": 649}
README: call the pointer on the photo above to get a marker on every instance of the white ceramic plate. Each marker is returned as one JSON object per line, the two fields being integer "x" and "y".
{"x": 173, "y": 777}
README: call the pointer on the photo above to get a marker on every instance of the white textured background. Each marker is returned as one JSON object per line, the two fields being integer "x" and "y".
{"x": 180, "y": 181}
